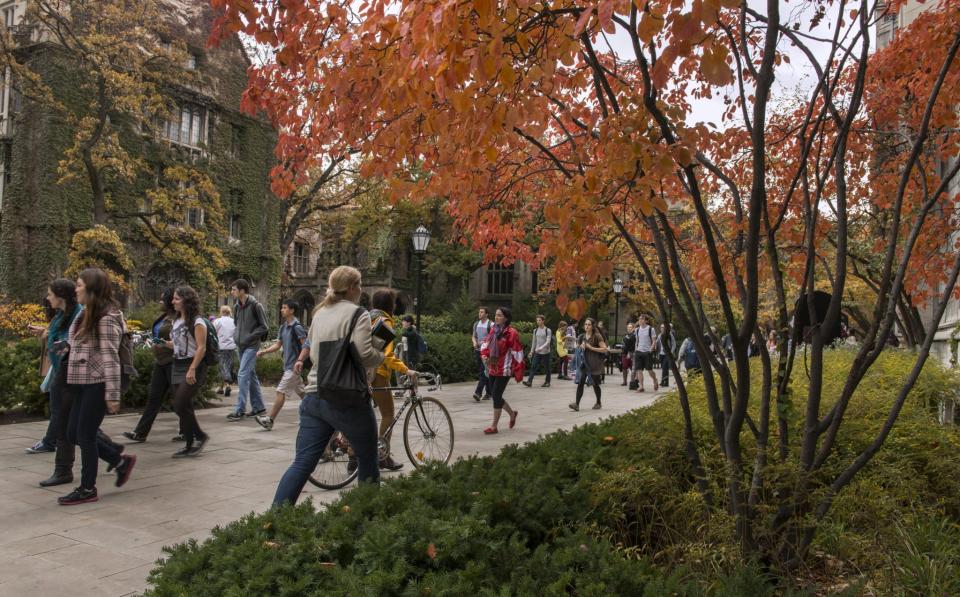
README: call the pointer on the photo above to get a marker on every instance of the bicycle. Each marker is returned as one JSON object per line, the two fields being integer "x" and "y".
{"x": 426, "y": 427}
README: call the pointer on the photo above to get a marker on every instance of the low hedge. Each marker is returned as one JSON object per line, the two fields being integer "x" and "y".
{"x": 607, "y": 508}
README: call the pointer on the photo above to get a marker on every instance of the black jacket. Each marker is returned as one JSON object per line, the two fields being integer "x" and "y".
{"x": 251, "y": 323}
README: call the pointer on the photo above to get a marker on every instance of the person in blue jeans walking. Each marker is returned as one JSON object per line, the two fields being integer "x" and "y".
{"x": 481, "y": 328}
{"x": 540, "y": 351}
{"x": 251, "y": 330}
{"x": 326, "y": 410}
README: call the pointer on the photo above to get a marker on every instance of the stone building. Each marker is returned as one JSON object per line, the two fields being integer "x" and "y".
{"x": 947, "y": 331}
{"x": 38, "y": 215}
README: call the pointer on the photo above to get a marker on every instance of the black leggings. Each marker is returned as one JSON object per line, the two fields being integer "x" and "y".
{"x": 86, "y": 414}
{"x": 183, "y": 395}
{"x": 581, "y": 383}
{"x": 159, "y": 384}
{"x": 498, "y": 383}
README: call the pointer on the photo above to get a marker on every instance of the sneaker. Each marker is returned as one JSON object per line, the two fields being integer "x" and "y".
{"x": 255, "y": 413}
{"x": 39, "y": 448}
{"x": 235, "y": 416}
{"x": 201, "y": 442}
{"x": 596, "y": 406}
{"x": 78, "y": 496}
{"x": 227, "y": 391}
{"x": 187, "y": 452}
{"x": 388, "y": 464}
{"x": 265, "y": 422}
{"x": 59, "y": 477}
{"x": 125, "y": 468}
{"x": 528, "y": 383}
{"x": 134, "y": 436}
{"x": 178, "y": 438}
{"x": 574, "y": 406}
{"x": 487, "y": 397}
{"x": 545, "y": 385}
{"x": 477, "y": 397}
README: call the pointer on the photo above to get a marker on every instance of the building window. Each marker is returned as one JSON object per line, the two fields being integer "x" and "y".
{"x": 9, "y": 15}
{"x": 187, "y": 126}
{"x": 190, "y": 63}
{"x": 534, "y": 283}
{"x": 301, "y": 259}
{"x": 236, "y": 140}
{"x": 194, "y": 217}
{"x": 499, "y": 279}
{"x": 234, "y": 226}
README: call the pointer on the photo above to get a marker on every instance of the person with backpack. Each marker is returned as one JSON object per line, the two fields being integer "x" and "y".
{"x": 643, "y": 356}
{"x": 383, "y": 303}
{"x": 503, "y": 355}
{"x": 540, "y": 349}
{"x": 292, "y": 339}
{"x": 338, "y": 325}
{"x": 162, "y": 371}
{"x": 190, "y": 340}
{"x": 251, "y": 330}
{"x": 688, "y": 354}
{"x": 481, "y": 329}
{"x": 666, "y": 346}
{"x": 93, "y": 377}
{"x": 414, "y": 346}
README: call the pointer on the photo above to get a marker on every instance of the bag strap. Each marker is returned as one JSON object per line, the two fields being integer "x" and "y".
{"x": 353, "y": 322}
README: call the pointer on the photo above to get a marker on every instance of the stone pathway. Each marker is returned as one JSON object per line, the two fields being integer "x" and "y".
{"x": 107, "y": 548}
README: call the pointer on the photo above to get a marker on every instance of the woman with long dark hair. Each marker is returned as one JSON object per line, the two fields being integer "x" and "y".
{"x": 503, "y": 355}
{"x": 590, "y": 363}
{"x": 189, "y": 344}
{"x": 384, "y": 303}
{"x": 61, "y": 307}
{"x": 162, "y": 373}
{"x": 93, "y": 376}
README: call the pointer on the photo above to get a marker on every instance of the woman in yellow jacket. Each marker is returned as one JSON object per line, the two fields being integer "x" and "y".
{"x": 382, "y": 304}
{"x": 562, "y": 351}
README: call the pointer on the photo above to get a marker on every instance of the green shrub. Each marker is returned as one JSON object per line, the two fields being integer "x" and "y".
{"x": 20, "y": 377}
{"x": 270, "y": 368}
{"x": 591, "y": 510}
{"x": 450, "y": 355}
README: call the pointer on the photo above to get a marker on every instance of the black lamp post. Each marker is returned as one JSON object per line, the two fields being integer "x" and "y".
{"x": 617, "y": 289}
{"x": 421, "y": 239}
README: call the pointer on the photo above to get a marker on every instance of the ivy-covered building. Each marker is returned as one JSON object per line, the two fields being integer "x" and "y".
{"x": 39, "y": 214}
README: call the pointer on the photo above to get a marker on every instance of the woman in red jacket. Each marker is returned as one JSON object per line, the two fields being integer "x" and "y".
{"x": 502, "y": 353}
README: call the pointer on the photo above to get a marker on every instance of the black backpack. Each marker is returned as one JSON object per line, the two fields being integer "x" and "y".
{"x": 690, "y": 358}
{"x": 212, "y": 355}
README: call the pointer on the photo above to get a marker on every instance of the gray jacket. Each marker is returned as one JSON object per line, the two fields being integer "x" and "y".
{"x": 332, "y": 323}
{"x": 251, "y": 323}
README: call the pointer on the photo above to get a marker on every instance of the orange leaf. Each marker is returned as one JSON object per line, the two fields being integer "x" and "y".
{"x": 576, "y": 309}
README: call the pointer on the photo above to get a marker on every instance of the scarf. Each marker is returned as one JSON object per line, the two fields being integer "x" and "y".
{"x": 496, "y": 333}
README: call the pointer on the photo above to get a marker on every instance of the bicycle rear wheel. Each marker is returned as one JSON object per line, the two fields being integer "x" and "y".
{"x": 333, "y": 470}
{"x": 428, "y": 432}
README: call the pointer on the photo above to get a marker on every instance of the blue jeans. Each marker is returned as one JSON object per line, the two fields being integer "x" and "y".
{"x": 483, "y": 380}
{"x": 247, "y": 381}
{"x": 318, "y": 420}
{"x": 539, "y": 359}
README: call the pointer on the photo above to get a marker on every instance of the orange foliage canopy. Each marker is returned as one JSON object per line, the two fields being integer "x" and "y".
{"x": 534, "y": 127}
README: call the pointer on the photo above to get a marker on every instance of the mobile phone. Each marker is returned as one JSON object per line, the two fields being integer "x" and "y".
{"x": 158, "y": 340}
{"x": 60, "y": 346}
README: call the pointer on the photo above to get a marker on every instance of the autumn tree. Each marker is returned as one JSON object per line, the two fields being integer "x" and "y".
{"x": 129, "y": 67}
{"x": 576, "y": 118}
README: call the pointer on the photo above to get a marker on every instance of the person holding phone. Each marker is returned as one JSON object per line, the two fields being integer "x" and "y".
{"x": 93, "y": 378}
{"x": 189, "y": 344}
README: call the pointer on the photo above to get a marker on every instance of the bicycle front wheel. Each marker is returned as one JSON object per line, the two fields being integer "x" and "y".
{"x": 334, "y": 470}
{"x": 428, "y": 432}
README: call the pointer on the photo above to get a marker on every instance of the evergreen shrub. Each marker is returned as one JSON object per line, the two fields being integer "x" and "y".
{"x": 608, "y": 508}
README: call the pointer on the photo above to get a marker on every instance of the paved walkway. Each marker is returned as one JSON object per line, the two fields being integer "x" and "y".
{"x": 107, "y": 548}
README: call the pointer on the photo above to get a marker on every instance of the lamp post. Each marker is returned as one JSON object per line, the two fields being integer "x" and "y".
{"x": 617, "y": 289}
{"x": 421, "y": 239}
